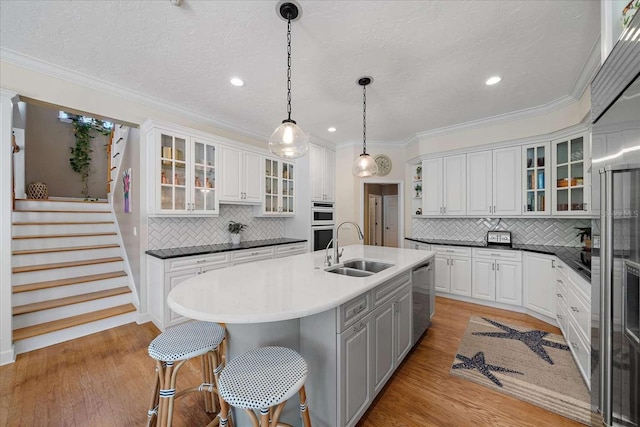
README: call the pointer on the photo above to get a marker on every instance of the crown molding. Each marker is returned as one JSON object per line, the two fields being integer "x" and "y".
{"x": 589, "y": 70}
{"x": 94, "y": 83}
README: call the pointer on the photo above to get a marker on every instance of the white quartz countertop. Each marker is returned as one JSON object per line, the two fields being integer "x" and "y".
{"x": 284, "y": 288}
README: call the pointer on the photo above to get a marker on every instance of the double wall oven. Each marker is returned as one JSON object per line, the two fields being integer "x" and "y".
{"x": 322, "y": 224}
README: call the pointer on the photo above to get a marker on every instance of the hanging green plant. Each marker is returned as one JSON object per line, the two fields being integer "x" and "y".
{"x": 81, "y": 153}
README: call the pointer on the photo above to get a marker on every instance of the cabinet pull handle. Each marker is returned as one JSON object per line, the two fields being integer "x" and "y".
{"x": 575, "y": 346}
{"x": 255, "y": 253}
{"x": 560, "y": 281}
{"x": 494, "y": 208}
{"x": 524, "y": 208}
{"x": 201, "y": 261}
{"x": 450, "y": 250}
{"x": 359, "y": 327}
{"x": 451, "y": 261}
{"x": 493, "y": 267}
{"x": 495, "y": 254}
{"x": 444, "y": 209}
{"x": 559, "y": 295}
{"x": 585, "y": 206}
{"x": 553, "y": 265}
{"x": 359, "y": 308}
{"x": 559, "y": 316}
{"x": 575, "y": 309}
{"x": 447, "y": 261}
{"x": 497, "y": 266}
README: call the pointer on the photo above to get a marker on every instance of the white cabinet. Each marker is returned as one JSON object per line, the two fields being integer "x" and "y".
{"x": 444, "y": 186}
{"x": 403, "y": 326}
{"x": 322, "y": 173}
{"x": 540, "y": 283}
{"x": 288, "y": 250}
{"x": 453, "y": 270}
{"x": 279, "y": 179}
{"x": 384, "y": 338}
{"x": 497, "y": 276}
{"x": 536, "y": 175}
{"x": 241, "y": 176}
{"x": 416, "y": 245}
{"x": 571, "y": 186}
{"x": 493, "y": 182}
{"x": 183, "y": 168}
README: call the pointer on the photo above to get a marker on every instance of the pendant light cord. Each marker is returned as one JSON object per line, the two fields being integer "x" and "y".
{"x": 364, "y": 119}
{"x": 289, "y": 66}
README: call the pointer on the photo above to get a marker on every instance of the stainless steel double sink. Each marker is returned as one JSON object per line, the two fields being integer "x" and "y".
{"x": 360, "y": 268}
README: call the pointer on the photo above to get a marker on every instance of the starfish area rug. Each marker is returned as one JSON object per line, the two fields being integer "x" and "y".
{"x": 530, "y": 365}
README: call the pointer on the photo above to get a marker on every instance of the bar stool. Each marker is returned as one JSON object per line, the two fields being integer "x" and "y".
{"x": 263, "y": 379}
{"x": 180, "y": 344}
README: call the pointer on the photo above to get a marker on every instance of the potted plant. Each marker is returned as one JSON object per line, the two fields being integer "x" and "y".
{"x": 418, "y": 188}
{"x": 235, "y": 228}
{"x": 585, "y": 237}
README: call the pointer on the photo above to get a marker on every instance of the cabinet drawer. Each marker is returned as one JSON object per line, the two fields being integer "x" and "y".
{"x": 286, "y": 250}
{"x": 197, "y": 261}
{"x": 561, "y": 290}
{"x": 497, "y": 254}
{"x": 580, "y": 351}
{"x": 582, "y": 284}
{"x": 252, "y": 255}
{"x": 452, "y": 250}
{"x": 354, "y": 310}
{"x": 561, "y": 317}
{"x": 385, "y": 291}
{"x": 578, "y": 308}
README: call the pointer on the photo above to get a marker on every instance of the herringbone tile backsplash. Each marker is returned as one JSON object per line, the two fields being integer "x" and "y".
{"x": 179, "y": 232}
{"x": 533, "y": 231}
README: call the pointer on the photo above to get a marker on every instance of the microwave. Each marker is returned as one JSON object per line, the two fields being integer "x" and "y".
{"x": 322, "y": 213}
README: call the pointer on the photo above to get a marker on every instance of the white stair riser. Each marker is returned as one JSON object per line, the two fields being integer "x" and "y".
{"x": 47, "y": 294}
{"x": 52, "y": 338}
{"x": 65, "y": 273}
{"x": 62, "y": 242}
{"x": 43, "y": 316}
{"x": 64, "y": 256}
{"x": 51, "y": 205}
{"x": 48, "y": 230}
{"x": 79, "y": 216}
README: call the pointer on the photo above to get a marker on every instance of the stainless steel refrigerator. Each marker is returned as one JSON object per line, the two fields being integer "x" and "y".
{"x": 615, "y": 177}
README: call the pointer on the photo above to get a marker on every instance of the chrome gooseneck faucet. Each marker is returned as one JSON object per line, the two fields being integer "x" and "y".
{"x": 336, "y": 252}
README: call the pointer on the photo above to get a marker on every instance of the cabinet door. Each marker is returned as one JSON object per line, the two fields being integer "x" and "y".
{"x": 231, "y": 165}
{"x": 329, "y": 175}
{"x": 354, "y": 348}
{"x": 432, "y": 187}
{"x": 484, "y": 278}
{"x": 203, "y": 172}
{"x": 383, "y": 344}
{"x": 271, "y": 185}
{"x": 316, "y": 159}
{"x": 460, "y": 275}
{"x": 539, "y": 284}
{"x": 509, "y": 282}
{"x": 455, "y": 185}
{"x": 172, "y": 192}
{"x": 443, "y": 274}
{"x": 403, "y": 324}
{"x": 536, "y": 179}
{"x": 288, "y": 176}
{"x": 171, "y": 281}
{"x": 570, "y": 178}
{"x": 479, "y": 183}
{"x": 506, "y": 181}
{"x": 252, "y": 177}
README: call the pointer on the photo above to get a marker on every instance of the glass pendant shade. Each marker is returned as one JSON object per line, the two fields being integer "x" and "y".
{"x": 365, "y": 166}
{"x": 288, "y": 141}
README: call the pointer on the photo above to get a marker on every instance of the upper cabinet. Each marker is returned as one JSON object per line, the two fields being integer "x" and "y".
{"x": 322, "y": 173}
{"x": 571, "y": 159}
{"x": 493, "y": 182}
{"x": 241, "y": 176}
{"x": 279, "y": 179}
{"x": 444, "y": 186}
{"x": 183, "y": 168}
{"x": 536, "y": 167}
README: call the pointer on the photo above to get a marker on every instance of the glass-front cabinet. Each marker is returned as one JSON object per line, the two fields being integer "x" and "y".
{"x": 570, "y": 178}
{"x": 186, "y": 177}
{"x": 279, "y": 178}
{"x": 536, "y": 165}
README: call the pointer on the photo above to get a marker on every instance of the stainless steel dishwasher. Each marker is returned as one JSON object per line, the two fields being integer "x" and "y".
{"x": 424, "y": 297}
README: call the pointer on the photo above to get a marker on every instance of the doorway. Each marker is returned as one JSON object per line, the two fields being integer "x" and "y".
{"x": 381, "y": 214}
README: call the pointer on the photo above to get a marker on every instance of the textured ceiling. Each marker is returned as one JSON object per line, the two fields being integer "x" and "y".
{"x": 429, "y": 59}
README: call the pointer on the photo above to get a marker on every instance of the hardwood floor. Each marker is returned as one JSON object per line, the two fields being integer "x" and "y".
{"x": 105, "y": 379}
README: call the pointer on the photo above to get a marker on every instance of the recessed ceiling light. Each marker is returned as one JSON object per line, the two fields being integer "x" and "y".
{"x": 492, "y": 80}
{"x": 237, "y": 82}
{"x": 331, "y": 129}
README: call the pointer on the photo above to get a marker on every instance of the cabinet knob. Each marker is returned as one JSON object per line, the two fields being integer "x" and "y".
{"x": 575, "y": 346}
{"x": 359, "y": 327}
{"x": 575, "y": 309}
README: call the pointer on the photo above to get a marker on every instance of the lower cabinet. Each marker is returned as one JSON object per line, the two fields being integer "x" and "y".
{"x": 453, "y": 270}
{"x": 497, "y": 276}
{"x": 540, "y": 283}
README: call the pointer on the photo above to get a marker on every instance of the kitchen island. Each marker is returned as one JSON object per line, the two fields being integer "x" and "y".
{"x": 353, "y": 331}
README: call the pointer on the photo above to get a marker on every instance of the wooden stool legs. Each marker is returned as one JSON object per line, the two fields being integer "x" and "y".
{"x": 304, "y": 410}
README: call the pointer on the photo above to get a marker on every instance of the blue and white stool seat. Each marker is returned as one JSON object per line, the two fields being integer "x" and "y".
{"x": 186, "y": 341}
{"x": 262, "y": 378}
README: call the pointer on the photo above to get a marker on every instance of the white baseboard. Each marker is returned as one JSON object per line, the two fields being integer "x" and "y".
{"x": 143, "y": 318}
{"x": 8, "y": 356}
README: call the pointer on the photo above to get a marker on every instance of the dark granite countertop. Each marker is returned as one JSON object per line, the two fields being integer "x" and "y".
{"x": 222, "y": 247}
{"x": 576, "y": 258}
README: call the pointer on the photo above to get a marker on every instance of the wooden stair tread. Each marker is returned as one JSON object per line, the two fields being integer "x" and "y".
{"x": 63, "y": 223}
{"x": 75, "y": 299}
{"x": 65, "y": 249}
{"x": 64, "y": 282}
{"x": 54, "y": 210}
{"x": 50, "y": 236}
{"x": 40, "y": 267}
{"x": 69, "y": 322}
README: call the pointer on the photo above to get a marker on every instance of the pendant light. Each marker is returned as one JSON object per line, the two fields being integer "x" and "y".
{"x": 288, "y": 141}
{"x": 364, "y": 165}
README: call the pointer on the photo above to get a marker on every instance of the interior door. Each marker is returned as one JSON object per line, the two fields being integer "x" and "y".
{"x": 371, "y": 221}
{"x": 390, "y": 221}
